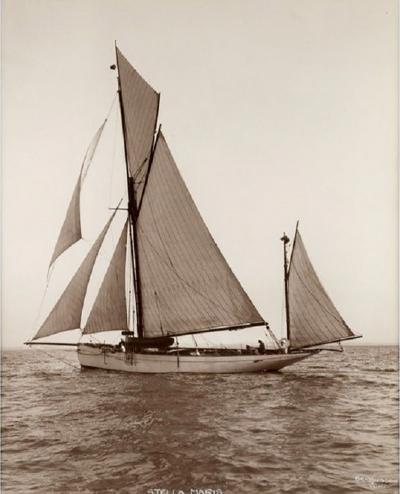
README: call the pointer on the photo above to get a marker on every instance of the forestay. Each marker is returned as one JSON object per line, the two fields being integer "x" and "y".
{"x": 140, "y": 106}
{"x": 186, "y": 284}
{"x": 108, "y": 312}
{"x": 71, "y": 229}
{"x": 67, "y": 312}
{"x": 314, "y": 319}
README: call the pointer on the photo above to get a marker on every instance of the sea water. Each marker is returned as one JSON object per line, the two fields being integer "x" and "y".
{"x": 326, "y": 425}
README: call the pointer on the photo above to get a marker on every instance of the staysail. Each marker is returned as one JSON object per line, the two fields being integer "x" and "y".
{"x": 71, "y": 228}
{"x": 140, "y": 109}
{"x": 67, "y": 312}
{"x": 314, "y": 320}
{"x": 109, "y": 309}
{"x": 186, "y": 283}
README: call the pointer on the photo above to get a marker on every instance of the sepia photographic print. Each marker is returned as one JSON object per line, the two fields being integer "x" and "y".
{"x": 199, "y": 246}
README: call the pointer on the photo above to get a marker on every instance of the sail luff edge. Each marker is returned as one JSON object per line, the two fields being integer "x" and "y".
{"x": 294, "y": 244}
{"x": 150, "y": 165}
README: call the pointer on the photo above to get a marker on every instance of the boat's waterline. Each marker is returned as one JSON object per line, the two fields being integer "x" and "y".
{"x": 205, "y": 364}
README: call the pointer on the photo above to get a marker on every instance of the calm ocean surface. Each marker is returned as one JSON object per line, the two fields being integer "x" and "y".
{"x": 326, "y": 425}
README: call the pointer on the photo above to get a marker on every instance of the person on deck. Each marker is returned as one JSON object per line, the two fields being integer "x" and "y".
{"x": 261, "y": 347}
{"x": 121, "y": 345}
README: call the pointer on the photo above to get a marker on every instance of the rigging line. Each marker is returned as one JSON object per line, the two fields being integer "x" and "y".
{"x": 282, "y": 310}
{"x": 318, "y": 302}
{"x": 90, "y": 152}
{"x": 88, "y": 159}
{"x": 49, "y": 273}
{"x": 112, "y": 104}
{"x": 91, "y": 336}
{"x": 139, "y": 170}
{"x": 96, "y": 339}
{"x": 114, "y": 151}
{"x": 60, "y": 359}
{"x": 111, "y": 230}
{"x": 173, "y": 269}
{"x": 36, "y": 320}
{"x": 128, "y": 288}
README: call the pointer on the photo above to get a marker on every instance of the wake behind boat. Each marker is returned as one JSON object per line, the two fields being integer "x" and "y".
{"x": 181, "y": 282}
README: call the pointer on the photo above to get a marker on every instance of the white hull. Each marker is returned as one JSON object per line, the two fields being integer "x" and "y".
{"x": 206, "y": 364}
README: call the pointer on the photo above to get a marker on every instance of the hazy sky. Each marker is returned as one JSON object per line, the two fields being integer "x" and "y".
{"x": 274, "y": 110}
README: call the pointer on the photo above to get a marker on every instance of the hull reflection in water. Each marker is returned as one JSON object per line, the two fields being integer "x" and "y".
{"x": 102, "y": 358}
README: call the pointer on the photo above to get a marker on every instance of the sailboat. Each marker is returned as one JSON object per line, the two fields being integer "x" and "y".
{"x": 182, "y": 284}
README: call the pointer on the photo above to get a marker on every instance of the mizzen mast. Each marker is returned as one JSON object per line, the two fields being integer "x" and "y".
{"x": 286, "y": 266}
{"x": 285, "y": 239}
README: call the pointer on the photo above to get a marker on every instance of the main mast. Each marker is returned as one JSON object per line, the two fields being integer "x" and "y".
{"x": 132, "y": 215}
{"x": 207, "y": 297}
{"x": 139, "y": 105}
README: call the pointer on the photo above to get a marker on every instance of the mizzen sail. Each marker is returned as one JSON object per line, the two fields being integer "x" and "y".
{"x": 314, "y": 320}
{"x": 71, "y": 229}
{"x": 140, "y": 108}
{"x": 186, "y": 283}
{"x": 67, "y": 312}
{"x": 109, "y": 309}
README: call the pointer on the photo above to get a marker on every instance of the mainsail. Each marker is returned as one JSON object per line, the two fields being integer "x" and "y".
{"x": 109, "y": 309}
{"x": 67, "y": 312}
{"x": 186, "y": 283}
{"x": 314, "y": 320}
{"x": 71, "y": 229}
{"x": 140, "y": 108}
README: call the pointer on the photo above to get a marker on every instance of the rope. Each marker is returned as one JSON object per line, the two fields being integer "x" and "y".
{"x": 113, "y": 154}
{"x": 112, "y": 104}
{"x": 138, "y": 171}
{"x": 60, "y": 359}
{"x": 282, "y": 309}
{"x": 36, "y": 320}
{"x": 128, "y": 287}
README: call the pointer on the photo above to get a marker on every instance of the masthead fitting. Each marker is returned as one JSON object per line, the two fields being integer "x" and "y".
{"x": 285, "y": 239}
